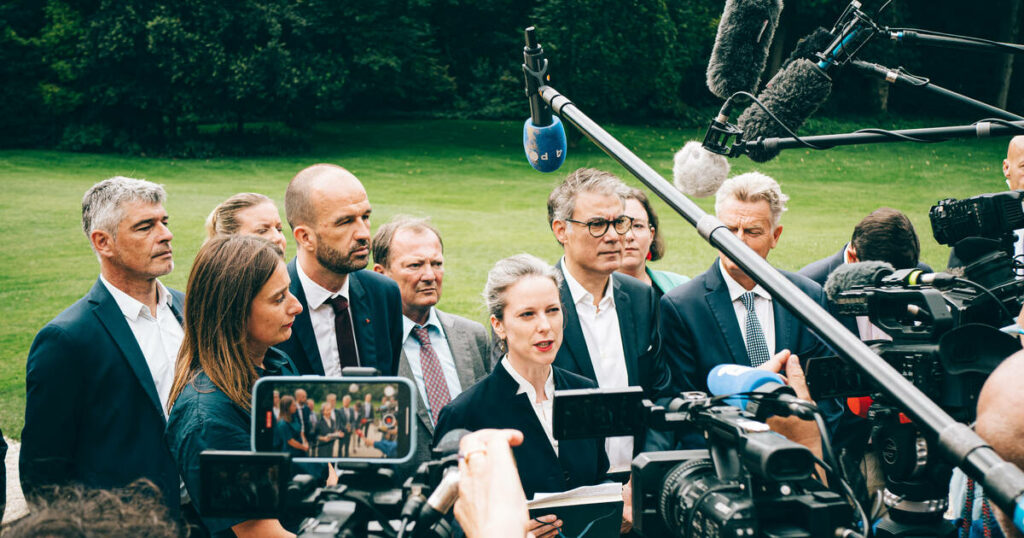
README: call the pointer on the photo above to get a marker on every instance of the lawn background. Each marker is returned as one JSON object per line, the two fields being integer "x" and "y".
{"x": 472, "y": 179}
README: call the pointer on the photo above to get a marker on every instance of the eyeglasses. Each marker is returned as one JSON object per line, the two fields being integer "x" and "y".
{"x": 599, "y": 227}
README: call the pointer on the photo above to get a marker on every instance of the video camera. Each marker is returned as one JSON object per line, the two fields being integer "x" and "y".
{"x": 371, "y": 429}
{"x": 749, "y": 482}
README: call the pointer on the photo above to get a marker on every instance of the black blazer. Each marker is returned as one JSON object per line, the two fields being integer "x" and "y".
{"x": 818, "y": 271}
{"x": 636, "y": 304}
{"x": 376, "y": 307}
{"x": 493, "y": 403}
{"x": 92, "y": 413}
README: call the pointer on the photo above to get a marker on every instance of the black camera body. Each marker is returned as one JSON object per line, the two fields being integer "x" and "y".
{"x": 986, "y": 215}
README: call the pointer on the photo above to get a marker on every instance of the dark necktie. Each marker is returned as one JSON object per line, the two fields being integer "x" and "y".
{"x": 433, "y": 377}
{"x": 344, "y": 332}
{"x": 757, "y": 345}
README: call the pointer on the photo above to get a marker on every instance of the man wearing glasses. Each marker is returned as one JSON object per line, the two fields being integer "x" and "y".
{"x": 611, "y": 323}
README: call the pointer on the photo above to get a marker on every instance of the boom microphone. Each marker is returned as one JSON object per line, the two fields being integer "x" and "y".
{"x": 697, "y": 171}
{"x": 854, "y": 275}
{"x": 809, "y": 46}
{"x": 741, "y": 45}
{"x": 793, "y": 94}
{"x": 543, "y": 134}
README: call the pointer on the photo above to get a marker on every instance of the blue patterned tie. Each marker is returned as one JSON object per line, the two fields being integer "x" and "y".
{"x": 757, "y": 346}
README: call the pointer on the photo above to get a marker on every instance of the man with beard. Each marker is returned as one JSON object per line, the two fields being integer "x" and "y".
{"x": 350, "y": 317}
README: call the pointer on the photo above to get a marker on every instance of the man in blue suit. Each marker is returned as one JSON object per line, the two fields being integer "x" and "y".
{"x": 98, "y": 376}
{"x": 350, "y": 317}
{"x": 723, "y": 316}
{"x": 611, "y": 319}
{"x": 886, "y": 235}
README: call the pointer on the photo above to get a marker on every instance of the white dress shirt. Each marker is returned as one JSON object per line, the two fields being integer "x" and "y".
{"x": 541, "y": 409}
{"x": 762, "y": 307}
{"x": 438, "y": 341}
{"x": 600, "y": 326}
{"x": 321, "y": 315}
{"x": 158, "y": 337}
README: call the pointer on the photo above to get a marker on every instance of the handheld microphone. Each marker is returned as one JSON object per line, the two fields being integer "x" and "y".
{"x": 543, "y": 135}
{"x": 698, "y": 172}
{"x": 856, "y": 275}
{"x": 740, "y": 52}
{"x": 776, "y": 398}
{"x": 446, "y": 493}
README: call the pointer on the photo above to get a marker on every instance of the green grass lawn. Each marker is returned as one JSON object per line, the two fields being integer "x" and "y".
{"x": 471, "y": 178}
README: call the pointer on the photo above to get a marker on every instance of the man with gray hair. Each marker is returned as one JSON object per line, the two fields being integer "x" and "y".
{"x": 611, "y": 322}
{"x": 723, "y": 316}
{"x": 98, "y": 376}
{"x": 442, "y": 353}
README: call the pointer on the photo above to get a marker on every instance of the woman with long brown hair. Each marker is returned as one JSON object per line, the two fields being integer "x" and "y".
{"x": 238, "y": 306}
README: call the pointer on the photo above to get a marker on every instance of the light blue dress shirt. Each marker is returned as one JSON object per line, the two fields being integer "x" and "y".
{"x": 439, "y": 341}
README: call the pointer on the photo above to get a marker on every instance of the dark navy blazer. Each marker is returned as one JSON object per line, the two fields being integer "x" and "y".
{"x": 376, "y": 308}
{"x": 493, "y": 403}
{"x": 700, "y": 330}
{"x": 636, "y": 305}
{"x": 818, "y": 271}
{"x": 92, "y": 413}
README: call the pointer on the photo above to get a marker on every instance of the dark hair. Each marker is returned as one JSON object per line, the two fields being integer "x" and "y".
{"x": 657, "y": 244}
{"x": 227, "y": 274}
{"x": 381, "y": 242}
{"x": 75, "y": 511}
{"x": 886, "y": 235}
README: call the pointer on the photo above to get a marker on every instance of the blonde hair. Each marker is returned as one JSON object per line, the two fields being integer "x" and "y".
{"x": 223, "y": 220}
{"x": 753, "y": 187}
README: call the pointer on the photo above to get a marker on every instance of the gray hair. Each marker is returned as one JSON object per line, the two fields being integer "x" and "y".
{"x": 506, "y": 273}
{"x": 103, "y": 204}
{"x": 381, "y": 242}
{"x": 562, "y": 201}
{"x": 753, "y": 187}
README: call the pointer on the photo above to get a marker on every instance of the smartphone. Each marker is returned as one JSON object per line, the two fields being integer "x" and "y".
{"x": 344, "y": 419}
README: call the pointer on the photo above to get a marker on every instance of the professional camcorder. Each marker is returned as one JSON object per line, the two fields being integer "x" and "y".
{"x": 749, "y": 482}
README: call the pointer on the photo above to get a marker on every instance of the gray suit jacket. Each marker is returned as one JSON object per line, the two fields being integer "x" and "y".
{"x": 471, "y": 350}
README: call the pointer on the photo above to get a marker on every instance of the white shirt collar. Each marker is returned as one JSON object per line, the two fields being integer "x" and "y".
{"x": 317, "y": 295}
{"x": 736, "y": 290}
{"x": 131, "y": 307}
{"x": 526, "y": 387}
{"x": 581, "y": 295}
{"x": 408, "y": 325}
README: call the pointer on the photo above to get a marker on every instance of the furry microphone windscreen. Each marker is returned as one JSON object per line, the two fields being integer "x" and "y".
{"x": 809, "y": 45}
{"x": 741, "y": 45}
{"x": 697, "y": 171}
{"x": 793, "y": 94}
{"x": 852, "y": 275}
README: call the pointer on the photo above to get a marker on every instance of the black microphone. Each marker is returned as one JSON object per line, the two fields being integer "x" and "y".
{"x": 446, "y": 493}
{"x": 809, "y": 46}
{"x": 792, "y": 95}
{"x": 856, "y": 275}
{"x": 741, "y": 46}
{"x": 543, "y": 135}
{"x": 917, "y": 277}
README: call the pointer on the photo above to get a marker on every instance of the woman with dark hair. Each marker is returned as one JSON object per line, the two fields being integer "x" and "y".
{"x": 288, "y": 435}
{"x": 246, "y": 213}
{"x": 526, "y": 314}
{"x": 238, "y": 307}
{"x": 643, "y": 243}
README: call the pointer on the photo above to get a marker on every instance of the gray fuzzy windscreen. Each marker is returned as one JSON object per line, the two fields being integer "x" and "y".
{"x": 793, "y": 94}
{"x": 809, "y": 45}
{"x": 741, "y": 46}
{"x": 851, "y": 275}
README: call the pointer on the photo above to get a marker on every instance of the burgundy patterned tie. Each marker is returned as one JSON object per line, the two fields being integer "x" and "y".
{"x": 343, "y": 331}
{"x": 433, "y": 378}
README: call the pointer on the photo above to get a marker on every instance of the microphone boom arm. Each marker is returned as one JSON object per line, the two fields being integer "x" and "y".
{"x": 956, "y": 442}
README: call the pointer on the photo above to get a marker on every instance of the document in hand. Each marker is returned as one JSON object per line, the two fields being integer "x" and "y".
{"x": 586, "y": 512}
